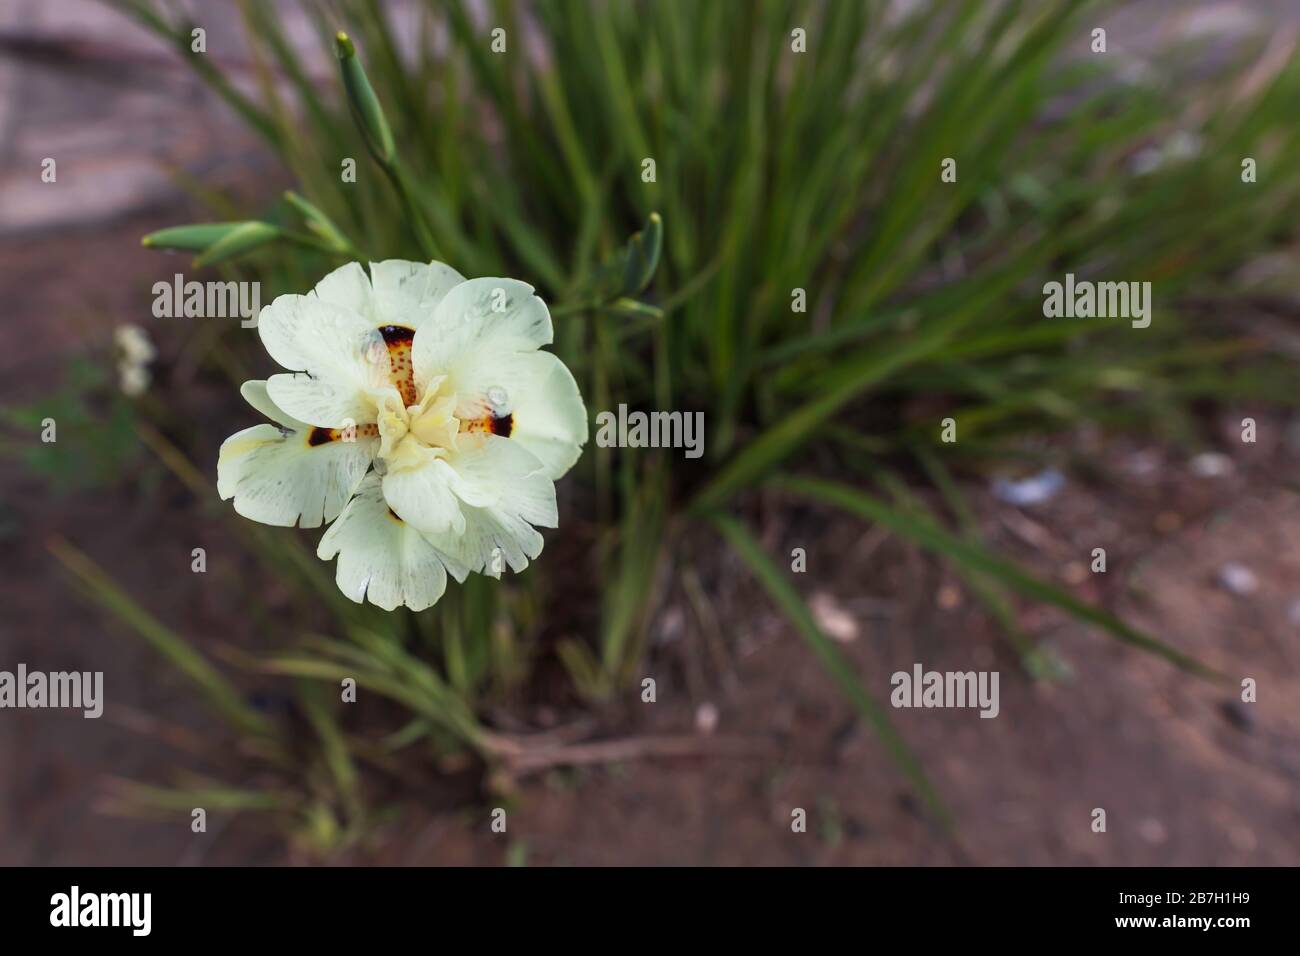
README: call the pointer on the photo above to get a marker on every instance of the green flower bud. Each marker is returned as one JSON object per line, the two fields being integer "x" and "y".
{"x": 366, "y": 111}
{"x": 214, "y": 241}
{"x": 643, "y": 256}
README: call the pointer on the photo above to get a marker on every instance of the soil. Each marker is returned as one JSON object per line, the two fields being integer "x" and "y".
{"x": 1185, "y": 771}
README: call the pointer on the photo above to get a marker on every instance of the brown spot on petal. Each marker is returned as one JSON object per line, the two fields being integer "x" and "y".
{"x": 490, "y": 424}
{"x": 323, "y": 436}
{"x": 398, "y": 338}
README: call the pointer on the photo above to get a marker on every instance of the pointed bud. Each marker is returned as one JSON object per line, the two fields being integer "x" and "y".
{"x": 366, "y": 111}
{"x": 213, "y": 241}
{"x": 643, "y": 256}
{"x": 632, "y": 309}
{"x": 317, "y": 221}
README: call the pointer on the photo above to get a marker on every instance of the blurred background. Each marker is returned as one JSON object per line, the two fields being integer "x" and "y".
{"x": 777, "y": 169}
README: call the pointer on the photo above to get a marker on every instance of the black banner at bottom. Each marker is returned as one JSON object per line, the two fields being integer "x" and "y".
{"x": 335, "y": 905}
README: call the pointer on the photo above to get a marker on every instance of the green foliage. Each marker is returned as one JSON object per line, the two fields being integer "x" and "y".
{"x": 95, "y": 444}
{"x": 775, "y": 171}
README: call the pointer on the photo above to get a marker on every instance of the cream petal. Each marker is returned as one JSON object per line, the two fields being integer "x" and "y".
{"x": 421, "y": 495}
{"x": 537, "y": 390}
{"x": 305, "y": 334}
{"x": 381, "y": 558}
{"x": 348, "y": 287}
{"x": 342, "y": 355}
{"x": 488, "y": 471}
{"x": 549, "y": 417}
{"x": 321, "y": 402}
{"x": 492, "y": 541}
{"x": 407, "y": 293}
{"x": 502, "y": 314}
{"x": 277, "y": 476}
{"x": 254, "y": 392}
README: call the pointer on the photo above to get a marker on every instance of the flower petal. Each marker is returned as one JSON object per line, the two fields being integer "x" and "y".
{"x": 306, "y": 334}
{"x": 488, "y": 471}
{"x": 255, "y": 394}
{"x": 501, "y": 313}
{"x": 492, "y": 541}
{"x": 348, "y": 287}
{"x": 324, "y": 402}
{"x": 420, "y": 493}
{"x": 407, "y": 293}
{"x": 548, "y": 416}
{"x": 383, "y": 559}
{"x": 342, "y": 356}
{"x": 536, "y": 390}
{"x": 283, "y": 476}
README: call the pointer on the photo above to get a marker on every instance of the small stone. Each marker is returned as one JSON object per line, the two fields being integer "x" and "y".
{"x": 706, "y": 718}
{"x": 670, "y": 626}
{"x": 1033, "y": 490}
{"x": 1142, "y": 464}
{"x": 1243, "y": 838}
{"x": 1167, "y": 522}
{"x": 1076, "y": 572}
{"x": 832, "y": 618}
{"x": 1153, "y": 831}
{"x": 949, "y": 597}
{"x": 1238, "y": 579}
{"x": 1211, "y": 464}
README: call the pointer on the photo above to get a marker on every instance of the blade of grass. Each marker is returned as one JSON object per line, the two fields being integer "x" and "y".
{"x": 977, "y": 558}
{"x": 837, "y": 666}
{"x": 220, "y": 692}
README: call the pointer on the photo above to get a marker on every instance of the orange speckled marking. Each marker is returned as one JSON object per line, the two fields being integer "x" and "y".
{"x": 323, "y": 436}
{"x": 398, "y": 338}
{"x": 501, "y": 425}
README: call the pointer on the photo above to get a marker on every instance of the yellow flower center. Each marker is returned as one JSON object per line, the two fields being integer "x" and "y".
{"x": 408, "y": 432}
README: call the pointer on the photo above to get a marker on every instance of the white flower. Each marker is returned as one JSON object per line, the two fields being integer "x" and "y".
{"x": 133, "y": 342}
{"x": 436, "y": 381}
{"x": 135, "y": 352}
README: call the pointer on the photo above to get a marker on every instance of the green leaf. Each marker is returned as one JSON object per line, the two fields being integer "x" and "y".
{"x": 223, "y": 696}
{"x": 321, "y": 224}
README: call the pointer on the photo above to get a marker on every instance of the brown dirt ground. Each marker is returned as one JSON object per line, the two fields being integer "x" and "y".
{"x": 1186, "y": 774}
